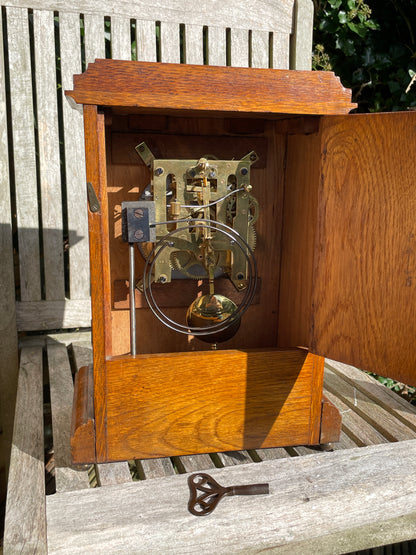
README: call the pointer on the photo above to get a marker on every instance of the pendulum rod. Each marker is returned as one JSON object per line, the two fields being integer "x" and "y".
{"x": 132, "y": 281}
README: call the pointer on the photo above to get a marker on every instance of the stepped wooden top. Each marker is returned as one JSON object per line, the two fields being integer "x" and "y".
{"x": 152, "y": 87}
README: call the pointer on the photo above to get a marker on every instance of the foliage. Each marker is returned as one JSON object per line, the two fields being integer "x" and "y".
{"x": 406, "y": 391}
{"x": 371, "y": 47}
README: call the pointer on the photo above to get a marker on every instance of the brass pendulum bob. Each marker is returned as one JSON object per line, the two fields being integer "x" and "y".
{"x": 210, "y": 310}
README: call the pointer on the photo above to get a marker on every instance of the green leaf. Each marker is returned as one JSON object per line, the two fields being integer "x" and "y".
{"x": 335, "y": 4}
{"x": 342, "y": 17}
{"x": 351, "y": 4}
{"x": 357, "y": 28}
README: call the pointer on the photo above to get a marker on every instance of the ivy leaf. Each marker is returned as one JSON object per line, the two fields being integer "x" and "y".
{"x": 342, "y": 17}
{"x": 358, "y": 29}
{"x": 351, "y": 4}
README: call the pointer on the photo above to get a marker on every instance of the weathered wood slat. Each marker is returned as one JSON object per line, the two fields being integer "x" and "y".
{"x": 239, "y": 48}
{"x": 94, "y": 37}
{"x": 8, "y": 330}
{"x": 280, "y": 51}
{"x": 259, "y": 48}
{"x": 230, "y": 458}
{"x": 169, "y": 43}
{"x": 195, "y": 463}
{"x": 25, "y": 524}
{"x": 301, "y": 46}
{"x": 76, "y": 193}
{"x": 217, "y": 47}
{"x": 111, "y": 474}
{"x": 155, "y": 468}
{"x": 360, "y": 431}
{"x": 24, "y": 155}
{"x": 194, "y": 51}
{"x": 146, "y": 40}
{"x": 272, "y": 453}
{"x": 232, "y": 13}
{"x": 49, "y": 156}
{"x": 120, "y": 38}
{"x": 377, "y": 416}
{"x": 66, "y": 338}
{"x": 49, "y": 315}
{"x": 380, "y": 394}
{"x": 67, "y": 478}
{"x": 341, "y": 490}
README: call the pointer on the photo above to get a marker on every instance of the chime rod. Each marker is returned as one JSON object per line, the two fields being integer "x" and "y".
{"x": 132, "y": 288}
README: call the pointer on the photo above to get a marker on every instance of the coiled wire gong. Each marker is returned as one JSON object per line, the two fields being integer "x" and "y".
{"x": 212, "y": 318}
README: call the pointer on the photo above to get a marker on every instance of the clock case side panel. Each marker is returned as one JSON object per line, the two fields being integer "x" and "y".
{"x": 299, "y": 225}
{"x": 96, "y": 171}
{"x": 364, "y": 288}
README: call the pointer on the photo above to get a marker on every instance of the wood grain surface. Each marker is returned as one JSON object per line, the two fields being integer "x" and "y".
{"x": 364, "y": 295}
{"x": 186, "y": 403}
{"x": 99, "y": 262}
{"x": 83, "y": 436}
{"x": 322, "y": 503}
{"x": 149, "y": 87}
{"x": 26, "y": 486}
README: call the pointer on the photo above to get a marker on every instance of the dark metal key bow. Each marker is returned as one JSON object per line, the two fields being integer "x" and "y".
{"x": 206, "y": 493}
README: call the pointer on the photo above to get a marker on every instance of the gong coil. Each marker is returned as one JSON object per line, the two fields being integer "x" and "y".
{"x": 213, "y": 331}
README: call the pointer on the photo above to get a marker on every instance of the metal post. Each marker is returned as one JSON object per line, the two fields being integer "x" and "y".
{"x": 132, "y": 288}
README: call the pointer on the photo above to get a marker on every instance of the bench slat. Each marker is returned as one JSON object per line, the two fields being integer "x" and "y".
{"x": 169, "y": 43}
{"x": 120, "y": 38}
{"x": 53, "y": 314}
{"x": 146, "y": 40}
{"x": 341, "y": 491}
{"x": 377, "y": 416}
{"x": 49, "y": 155}
{"x": 25, "y": 524}
{"x": 259, "y": 48}
{"x": 76, "y": 190}
{"x": 110, "y": 474}
{"x": 194, "y": 44}
{"x": 67, "y": 477}
{"x": 94, "y": 37}
{"x": 281, "y": 51}
{"x": 231, "y": 458}
{"x": 355, "y": 426}
{"x": 8, "y": 335}
{"x": 233, "y": 13}
{"x": 217, "y": 50}
{"x": 155, "y": 468}
{"x": 239, "y": 48}
{"x": 195, "y": 463}
{"x": 24, "y": 152}
{"x": 383, "y": 396}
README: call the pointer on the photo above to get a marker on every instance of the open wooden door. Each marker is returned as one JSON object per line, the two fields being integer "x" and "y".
{"x": 363, "y": 305}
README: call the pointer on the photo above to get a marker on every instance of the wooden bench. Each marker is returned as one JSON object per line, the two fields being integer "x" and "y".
{"x": 44, "y": 275}
{"x": 356, "y": 494}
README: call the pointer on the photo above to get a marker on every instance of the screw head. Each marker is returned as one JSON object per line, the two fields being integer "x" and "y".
{"x": 158, "y": 171}
{"x": 139, "y": 234}
{"x": 163, "y": 278}
{"x": 244, "y": 171}
{"x": 138, "y": 213}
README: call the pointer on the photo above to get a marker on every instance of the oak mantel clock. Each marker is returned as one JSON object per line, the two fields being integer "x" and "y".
{"x": 243, "y": 225}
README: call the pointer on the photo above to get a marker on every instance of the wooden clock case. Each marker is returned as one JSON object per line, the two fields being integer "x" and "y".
{"x": 336, "y": 241}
